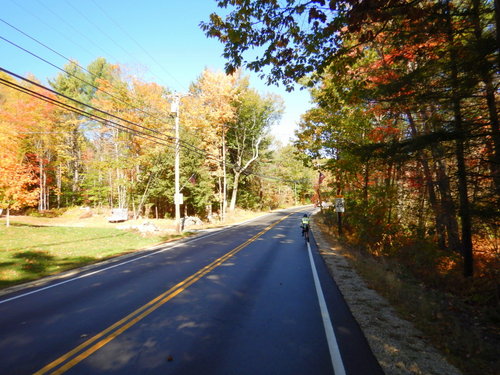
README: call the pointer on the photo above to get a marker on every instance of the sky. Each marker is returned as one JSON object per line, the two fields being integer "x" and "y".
{"x": 157, "y": 40}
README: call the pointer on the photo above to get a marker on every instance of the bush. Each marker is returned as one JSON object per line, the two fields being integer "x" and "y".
{"x": 54, "y": 212}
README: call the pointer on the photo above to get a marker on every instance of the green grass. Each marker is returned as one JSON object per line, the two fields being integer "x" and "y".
{"x": 31, "y": 252}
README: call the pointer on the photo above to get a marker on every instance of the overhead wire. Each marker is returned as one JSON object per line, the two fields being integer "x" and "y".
{"x": 75, "y": 76}
{"x": 98, "y": 118}
{"x": 170, "y": 139}
{"x": 169, "y": 143}
{"x": 77, "y": 31}
{"x": 103, "y": 32}
{"x": 77, "y": 101}
{"x": 48, "y": 25}
{"x": 78, "y": 78}
{"x": 81, "y": 112}
{"x": 184, "y": 143}
{"x": 124, "y": 31}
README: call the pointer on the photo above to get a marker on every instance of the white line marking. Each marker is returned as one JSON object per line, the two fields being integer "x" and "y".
{"x": 338, "y": 365}
{"x": 129, "y": 261}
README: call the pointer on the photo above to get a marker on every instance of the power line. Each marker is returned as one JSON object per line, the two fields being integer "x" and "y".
{"x": 185, "y": 145}
{"x": 76, "y": 30}
{"x": 81, "y": 112}
{"x": 50, "y": 26}
{"x": 76, "y": 101}
{"x": 93, "y": 116}
{"x": 81, "y": 67}
{"x": 52, "y": 50}
{"x": 124, "y": 31}
{"x": 84, "y": 16}
{"x": 36, "y": 40}
{"x": 76, "y": 77}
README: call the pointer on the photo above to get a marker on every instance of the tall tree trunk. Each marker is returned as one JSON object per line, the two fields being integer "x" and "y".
{"x": 465, "y": 216}
{"x": 240, "y": 168}
{"x": 59, "y": 185}
{"x": 46, "y": 191}
{"x": 366, "y": 182}
{"x": 221, "y": 204}
{"x": 41, "y": 193}
{"x": 75, "y": 163}
{"x": 388, "y": 192}
{"x": 484, "y": 68}
{"x": 448, "y": 211}
{"x": 224, "y": 175}
{"x": 234, "y": 193}
{"x": 448, "y": 208}
{"x": 429, "y": 183}
{"x": 497, "y": 23}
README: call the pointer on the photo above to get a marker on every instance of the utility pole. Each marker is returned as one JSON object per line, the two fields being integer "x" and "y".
{"x": 177, "y": 195}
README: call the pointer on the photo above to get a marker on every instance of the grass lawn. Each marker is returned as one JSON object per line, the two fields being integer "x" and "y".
{"x": 34, "y": 247}
{"x": 30, "y": 252}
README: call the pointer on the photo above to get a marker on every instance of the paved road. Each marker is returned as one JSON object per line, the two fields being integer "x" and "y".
{"x": 251, "y": 299}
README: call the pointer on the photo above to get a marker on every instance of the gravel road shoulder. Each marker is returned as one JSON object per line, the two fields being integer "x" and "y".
{"x": 397, "y": 345}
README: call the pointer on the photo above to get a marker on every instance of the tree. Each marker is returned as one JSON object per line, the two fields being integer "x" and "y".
{"x": 301, "y": 37}
{"x": 27, "y": 135}
{"x": 144, "y": 106}
{"x": 255, "y": 114}
{"x": 70, "y": 158}
{"x": 413, "y": 75}
{"x": 18, "y": 113}
{"x": 17, "y": 184}
{"x": 288, "y": 164}
{"x": 207, "y": 112}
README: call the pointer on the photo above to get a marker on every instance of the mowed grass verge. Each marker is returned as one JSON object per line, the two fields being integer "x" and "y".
{"x": 31, "y": 252}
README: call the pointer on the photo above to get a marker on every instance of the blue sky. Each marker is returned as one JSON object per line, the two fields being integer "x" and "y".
{"x": 157, "y": 40}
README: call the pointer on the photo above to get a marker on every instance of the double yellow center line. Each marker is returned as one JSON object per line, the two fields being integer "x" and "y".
{"x": 78, "y": 354}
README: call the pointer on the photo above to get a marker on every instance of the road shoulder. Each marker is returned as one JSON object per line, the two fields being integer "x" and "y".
{"x": 397, "y": 345}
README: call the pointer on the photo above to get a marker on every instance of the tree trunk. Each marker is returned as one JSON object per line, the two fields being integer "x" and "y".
{"x": 46, "y": 191}
{"x": 221, "y": 205}
{"x": 59, "y": 185}
{"x": 366, "y": 181}
{"x": 224, "y": 176}
{"x": 75, "y": 163}
{"x": 388, "y": 192}
{"x": 489, "y": 95}
{"x": 429, "y": 183}
{"x": 497, "y": 23}
{"x": 234, "y": 194}
{"x": 111, "y": 188}
{"x": 467, "y": 250}
{"x": 240, "y": 168}
{"x": 447, "y": 209}
{"x": 41, "y": 193}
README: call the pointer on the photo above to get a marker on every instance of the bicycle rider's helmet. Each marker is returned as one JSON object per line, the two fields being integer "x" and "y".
{"x": 305, "y": 215}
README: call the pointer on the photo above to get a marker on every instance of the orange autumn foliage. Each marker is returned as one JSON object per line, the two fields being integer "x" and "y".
{"x": 17, "y": 183}
{"x": 21, "y": 117}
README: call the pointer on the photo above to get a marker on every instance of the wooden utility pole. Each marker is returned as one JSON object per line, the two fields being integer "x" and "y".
{"x": 177, "y": 196}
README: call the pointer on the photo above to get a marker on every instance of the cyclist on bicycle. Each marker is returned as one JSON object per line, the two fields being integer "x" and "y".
{"x": 305, "y": 224}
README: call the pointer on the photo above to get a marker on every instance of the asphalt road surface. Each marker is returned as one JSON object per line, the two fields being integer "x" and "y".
{"x": 250, "y": 299}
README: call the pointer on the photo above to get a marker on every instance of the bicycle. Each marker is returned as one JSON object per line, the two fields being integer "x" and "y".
{"x": 305, "y": 232}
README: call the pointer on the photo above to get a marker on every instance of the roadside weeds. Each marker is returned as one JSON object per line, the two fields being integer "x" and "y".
{"x": 400, "y": 348}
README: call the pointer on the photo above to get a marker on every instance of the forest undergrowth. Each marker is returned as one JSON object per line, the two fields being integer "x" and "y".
{"x": 459, "y": 316}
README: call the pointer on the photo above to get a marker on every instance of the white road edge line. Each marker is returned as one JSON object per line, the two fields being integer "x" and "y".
{"x": 129, "y": 261}
{"x": 338, "y": 365}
